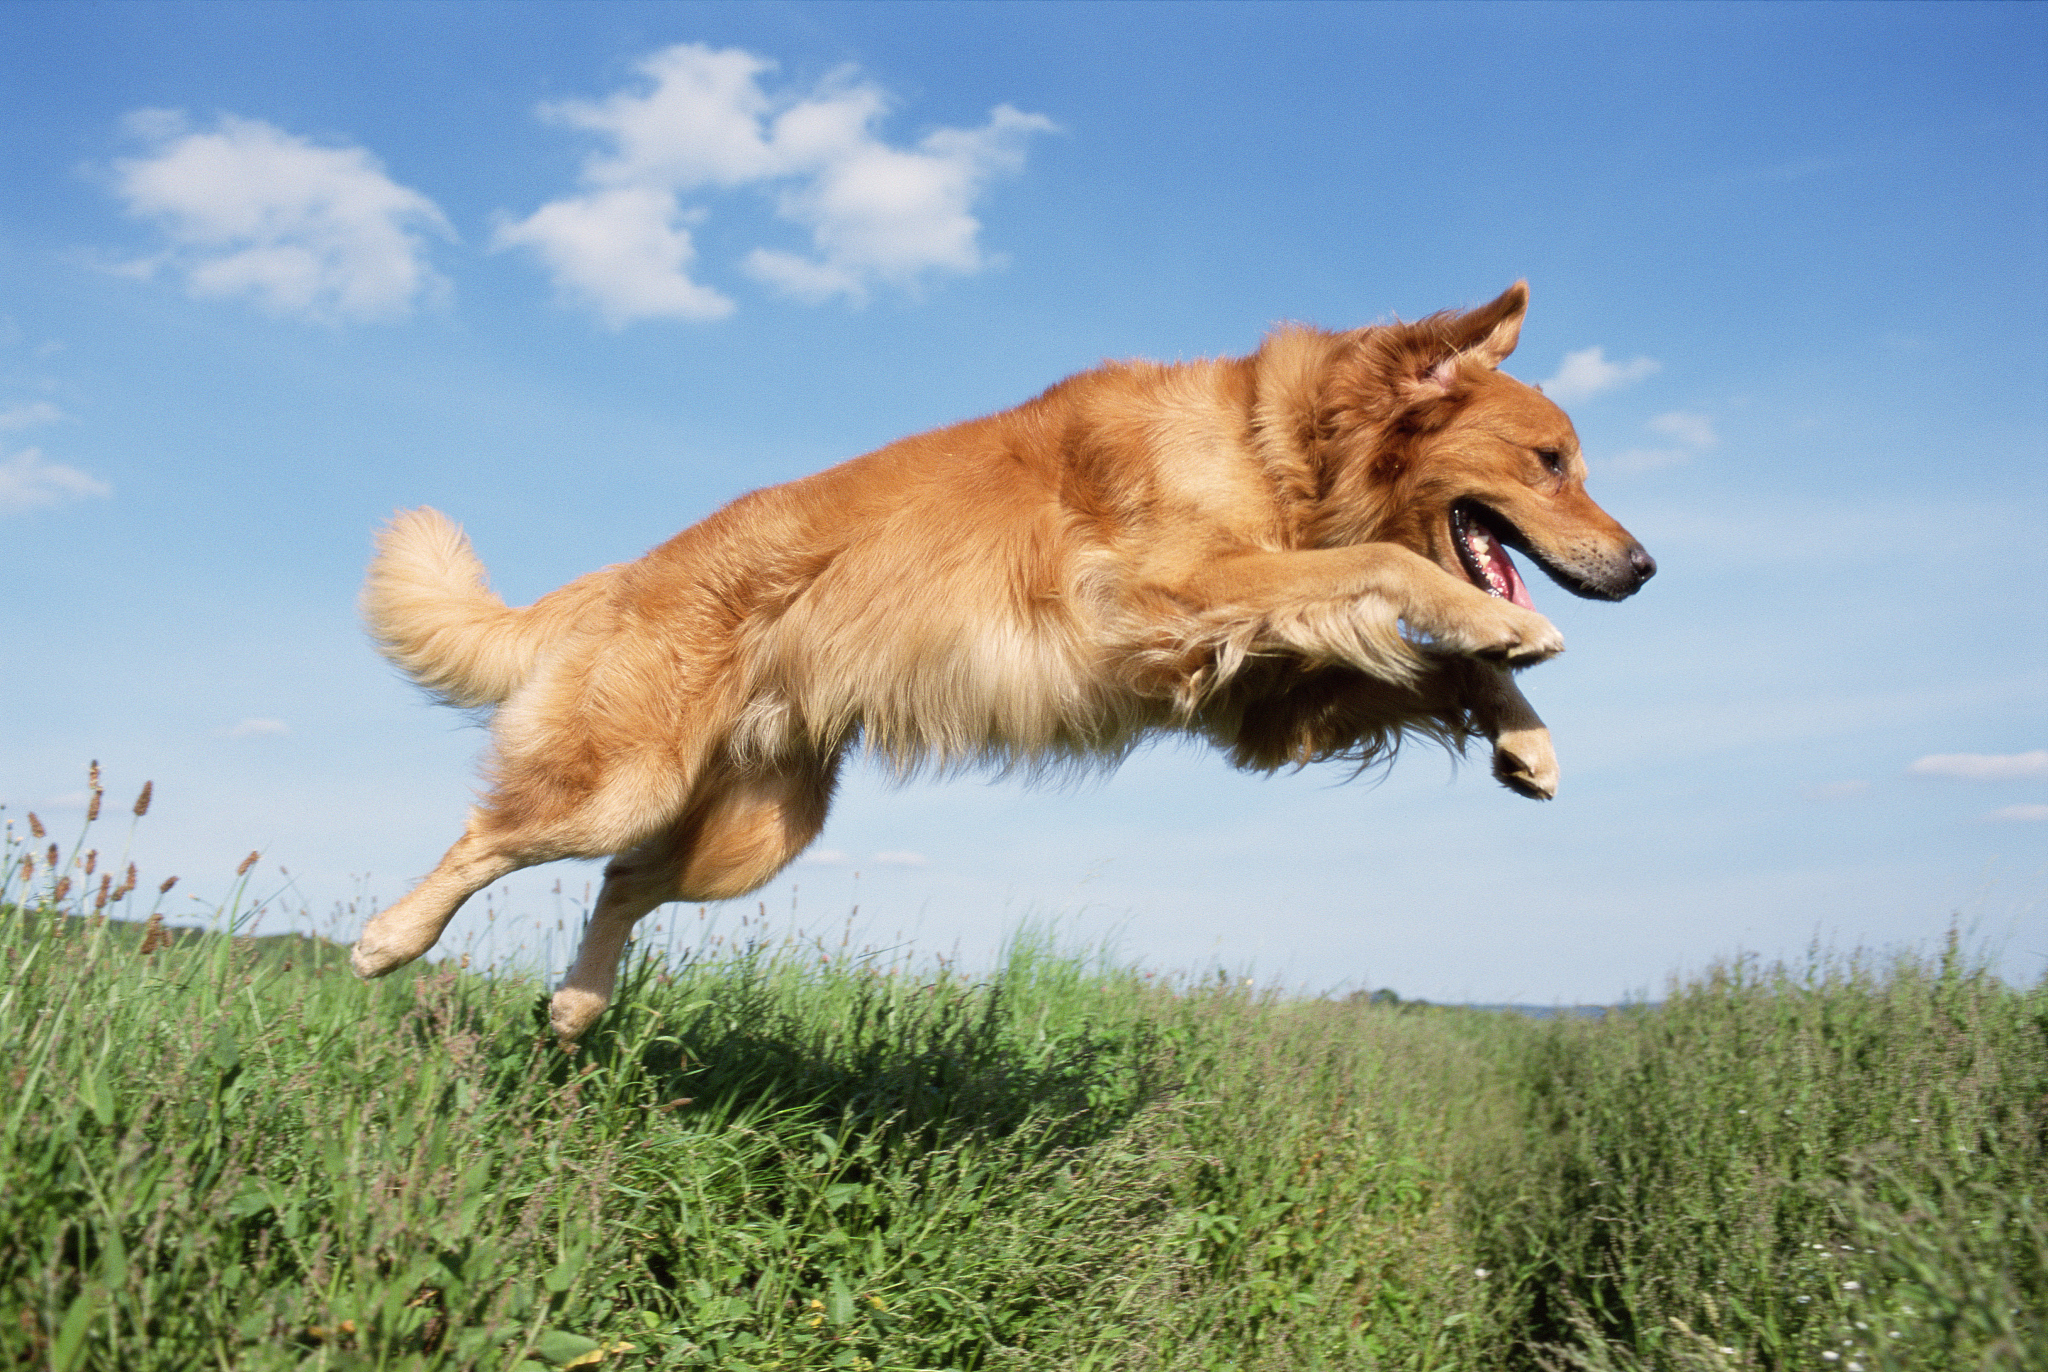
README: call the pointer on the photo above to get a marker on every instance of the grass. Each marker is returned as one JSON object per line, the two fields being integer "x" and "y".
{"x": 226, "y": 1152}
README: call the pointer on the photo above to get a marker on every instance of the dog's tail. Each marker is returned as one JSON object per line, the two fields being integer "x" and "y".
{"x": 429, "y": 607}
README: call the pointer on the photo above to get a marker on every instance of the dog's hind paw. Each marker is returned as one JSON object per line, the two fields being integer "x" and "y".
{"x": 572, "y": 1011}
{"x": 1524, "y": 762}
{"x": 376, "y": 954}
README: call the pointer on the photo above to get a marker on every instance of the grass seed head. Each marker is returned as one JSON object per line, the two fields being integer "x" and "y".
{"x": 142, "y": 801}
{"x": 247, "y": 863}
{"x": 169, "y": 882}
{"x": 35, "y": 826}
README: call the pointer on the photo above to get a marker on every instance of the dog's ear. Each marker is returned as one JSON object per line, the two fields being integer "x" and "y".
{"x": 1438, "y": 346}
{"x": 1488, "y": 334}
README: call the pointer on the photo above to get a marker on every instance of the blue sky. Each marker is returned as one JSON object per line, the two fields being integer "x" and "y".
{"x": 578, "y": 274}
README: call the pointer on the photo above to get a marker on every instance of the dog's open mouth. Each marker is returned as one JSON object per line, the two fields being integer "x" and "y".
{"x": 1484, "y": 557}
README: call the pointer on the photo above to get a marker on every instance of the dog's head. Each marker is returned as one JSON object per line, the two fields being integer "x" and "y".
{"x": 1427, "y": 443}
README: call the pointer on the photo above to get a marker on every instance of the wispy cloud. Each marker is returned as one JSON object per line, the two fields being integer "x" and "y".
{"x": 30, "y": 481}
{"x": 2024, "y": 814}
{"x": 1983, "y": 766}
{"x": 826, "y": 857}
{"x": 1693, "y": 430}
{"x": 702, "y": 122}
{"x": 902, "y": 859}
{"x": 1588, "y": 373}
{"x": 304, "y": 230}
{"x": 1691, "y": 435}
{"x": 30, "y": 415}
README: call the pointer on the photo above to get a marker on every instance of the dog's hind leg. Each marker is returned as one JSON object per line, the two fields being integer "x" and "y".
{"x": 739, "y": 831}
{"x": 535, "y": 816}
{"x": 412, "y": 926}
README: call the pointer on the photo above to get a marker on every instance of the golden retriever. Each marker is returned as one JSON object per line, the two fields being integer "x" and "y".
{"x": 1296, "y": 555}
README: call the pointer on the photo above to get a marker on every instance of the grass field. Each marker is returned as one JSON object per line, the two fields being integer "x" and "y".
{"x": 226, "y": 1152}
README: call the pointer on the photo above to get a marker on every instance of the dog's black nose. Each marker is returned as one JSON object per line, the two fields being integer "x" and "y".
{"x": 1641, "y": 563}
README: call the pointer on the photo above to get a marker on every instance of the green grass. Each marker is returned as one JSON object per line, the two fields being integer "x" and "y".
{"x": 227, "y": 1152}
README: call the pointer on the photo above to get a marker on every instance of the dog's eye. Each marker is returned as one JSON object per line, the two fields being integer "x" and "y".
{"x": 1553, "y": 460}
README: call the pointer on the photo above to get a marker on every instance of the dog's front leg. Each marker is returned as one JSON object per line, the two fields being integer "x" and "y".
{"x": 1523, "y": 760}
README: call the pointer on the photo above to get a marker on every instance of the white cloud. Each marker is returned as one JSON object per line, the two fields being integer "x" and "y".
{"x": 251, "y": 211}
{"x": 257, "y": 728}
{"x": 1587, "y": 373}
{"x": 2026, "y": 814}
{"x": 902, "y": 859}
{"x": 1693, "y": 432}
{"x": 826, "y": 857}
{"x": 30, "y": 481}
{"x": 876, "y": 214}
{"x": 1983, "y": 766}
{"x": 624, "y": 251}
{"x": 29, "y": 415}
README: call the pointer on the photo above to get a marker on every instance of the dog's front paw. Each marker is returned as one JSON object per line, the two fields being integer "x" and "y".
{"x": 1524, "y": 762}
{"x": 1492, "y": 630}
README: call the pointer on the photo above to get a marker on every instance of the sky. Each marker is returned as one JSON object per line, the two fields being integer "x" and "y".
{"x": 578, "y": 274}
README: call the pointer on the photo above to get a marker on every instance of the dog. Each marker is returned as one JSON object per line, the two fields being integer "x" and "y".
{"x": 1299, "y": 555}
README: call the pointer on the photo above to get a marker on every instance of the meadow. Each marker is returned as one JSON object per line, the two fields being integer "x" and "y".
{"x": 224, "y": 1151}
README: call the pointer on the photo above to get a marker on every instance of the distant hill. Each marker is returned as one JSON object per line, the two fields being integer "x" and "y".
{"x": 290, "y": 950}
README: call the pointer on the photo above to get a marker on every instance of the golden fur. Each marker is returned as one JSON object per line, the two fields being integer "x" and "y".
{"x": 1284, "y": 553}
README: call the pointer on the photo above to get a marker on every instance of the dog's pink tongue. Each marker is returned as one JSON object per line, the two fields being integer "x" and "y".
{"x": 1501, "y": 575}
{"x": 1517, "y": 592}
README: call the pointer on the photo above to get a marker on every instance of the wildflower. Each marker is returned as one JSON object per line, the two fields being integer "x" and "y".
{"x": 1480, "y": 1272}
{"x": 1726, "y": 1349}
{"x": 1804, "y": 1299}
{"x": 1830, "y": 1355}
{"x": 1852, "y": 1286}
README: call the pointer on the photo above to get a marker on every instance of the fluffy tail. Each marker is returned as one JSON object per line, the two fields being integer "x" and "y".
{"x": 433, "y": 614}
